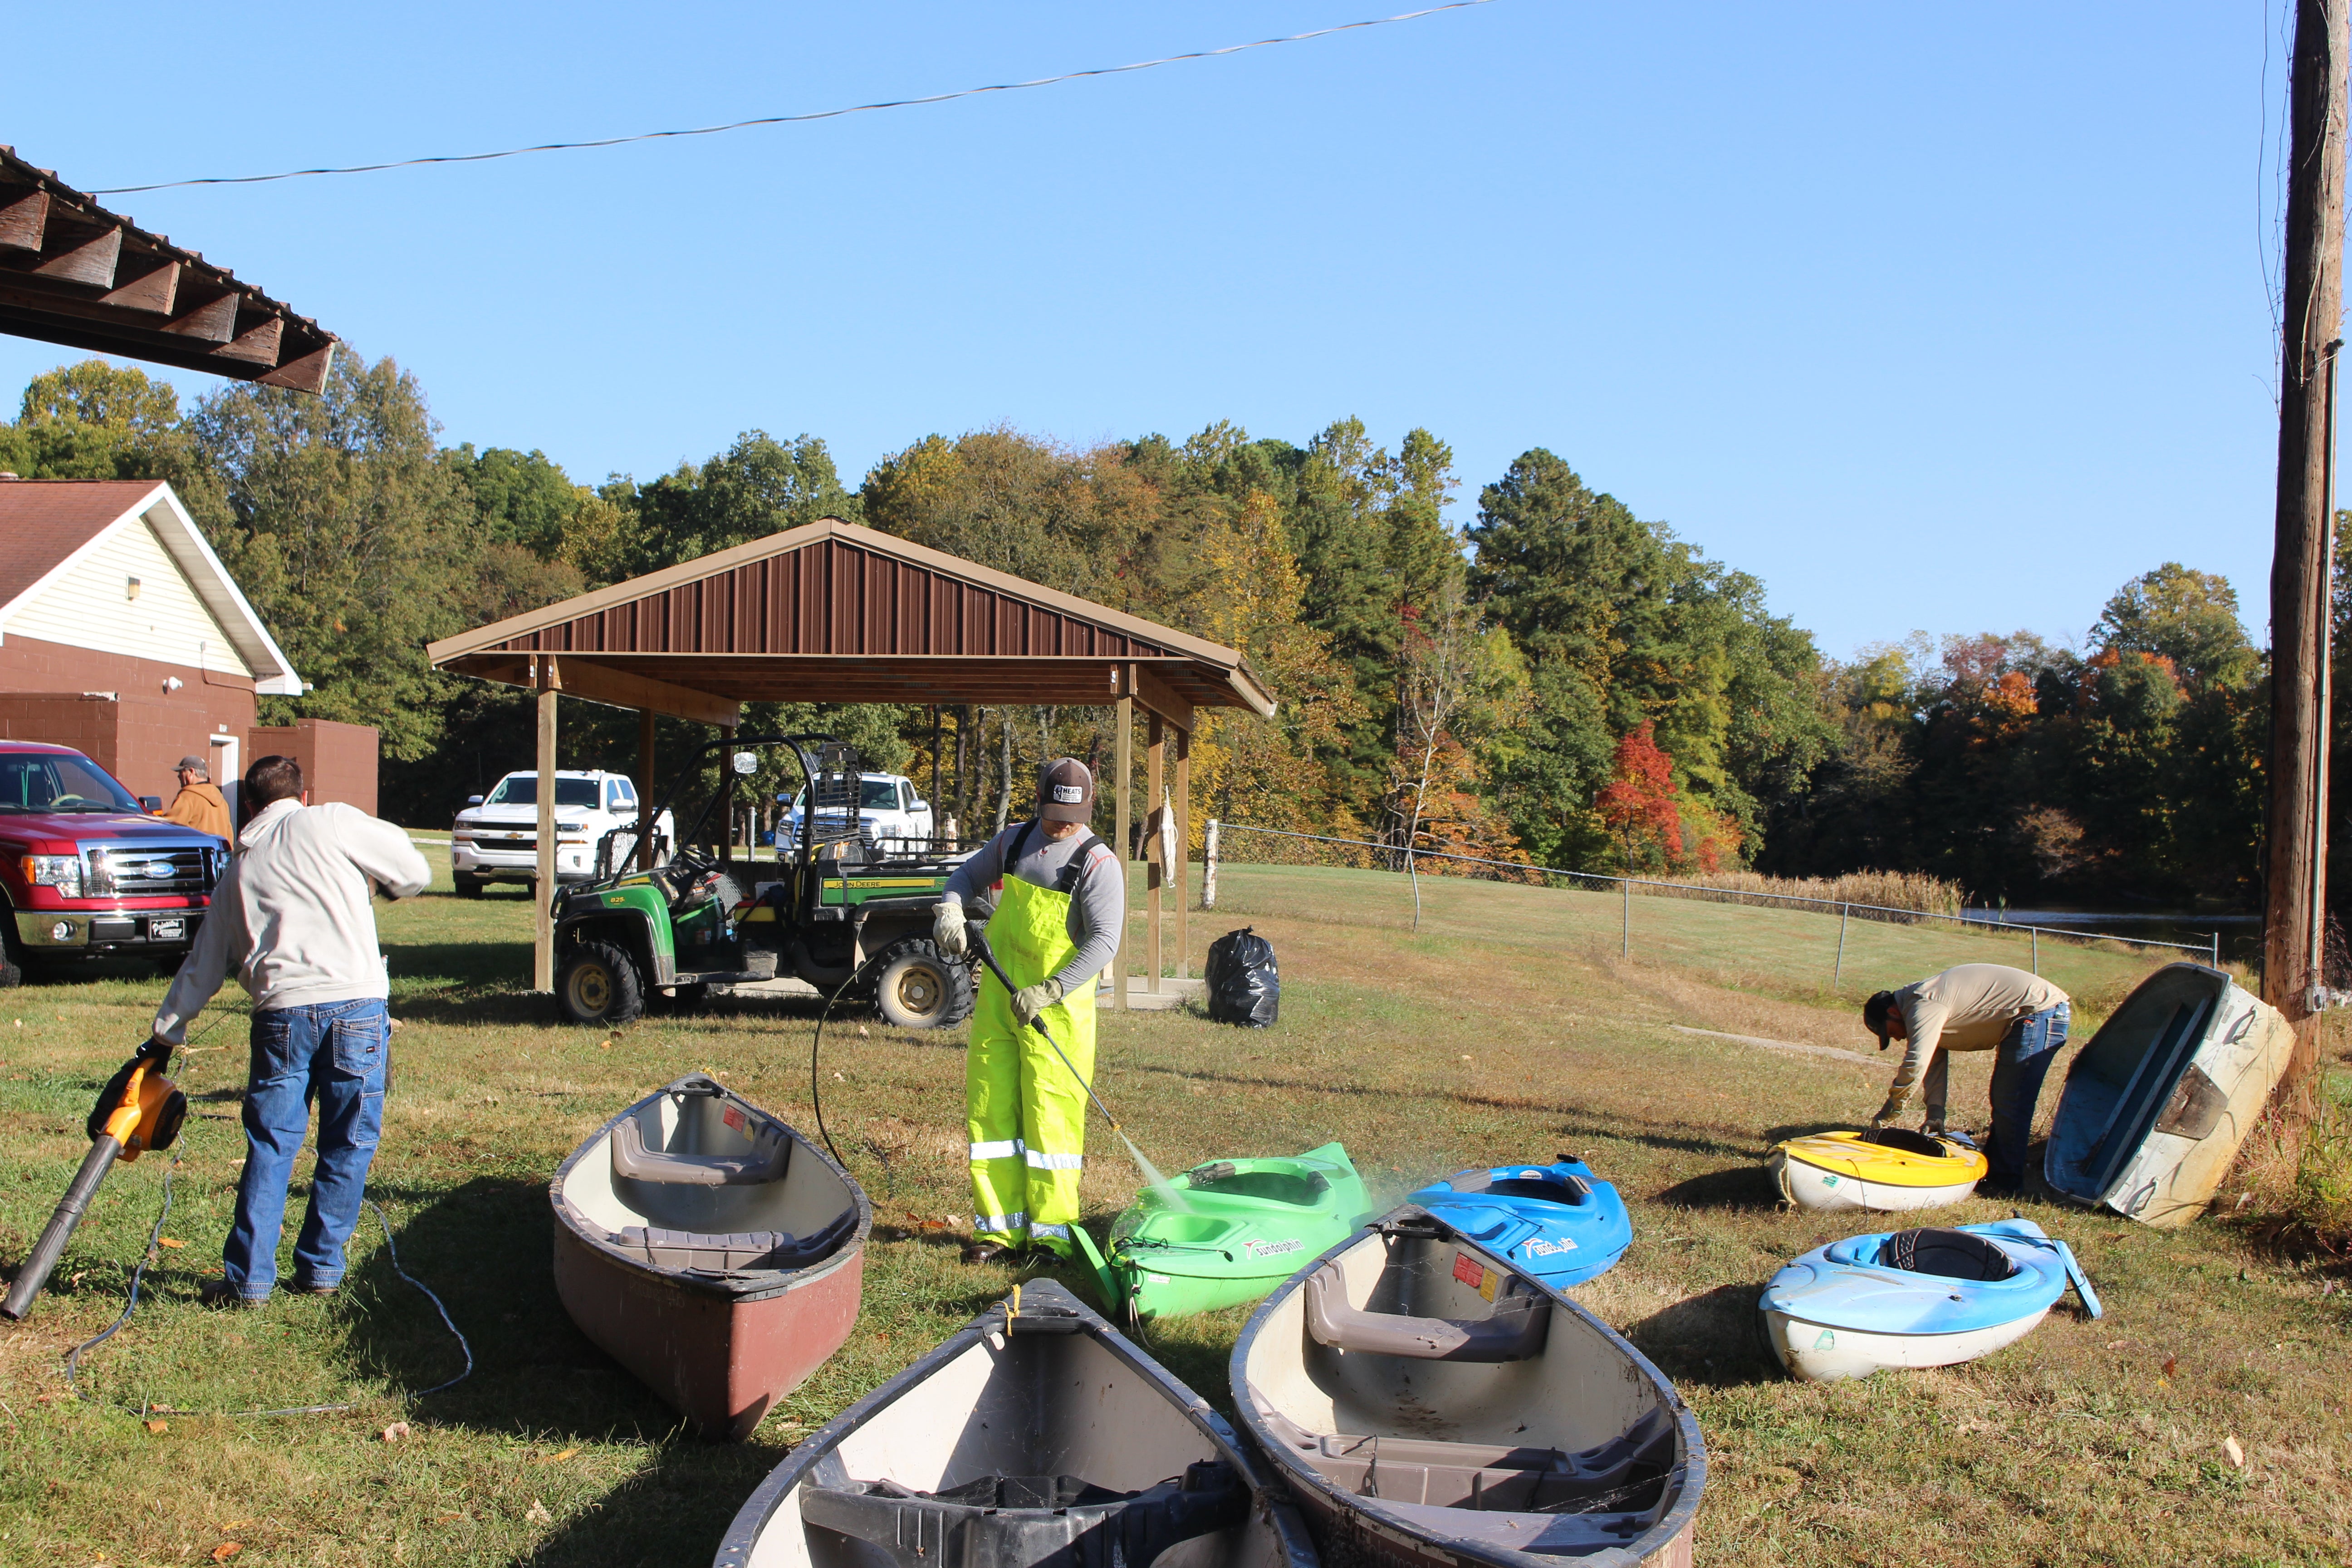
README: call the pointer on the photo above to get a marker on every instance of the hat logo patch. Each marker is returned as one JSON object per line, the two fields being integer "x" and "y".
{"x": 1068, "y": 795}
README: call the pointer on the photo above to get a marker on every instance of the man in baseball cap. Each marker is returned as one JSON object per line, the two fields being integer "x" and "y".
{"x": 1059, "y": 906}
{"x": 199, "y": 804}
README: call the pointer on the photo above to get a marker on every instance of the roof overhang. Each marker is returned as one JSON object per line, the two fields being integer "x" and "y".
{"x": 160, "y": 508}
{"x": 73, "y": 273}
{"x": 596, "y": 641}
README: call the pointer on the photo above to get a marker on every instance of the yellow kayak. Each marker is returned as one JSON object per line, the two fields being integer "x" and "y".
{"x": 1880, "y": 1171}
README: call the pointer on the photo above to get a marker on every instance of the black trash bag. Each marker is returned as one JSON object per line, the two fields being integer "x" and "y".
{"x": 1244, "y": 982}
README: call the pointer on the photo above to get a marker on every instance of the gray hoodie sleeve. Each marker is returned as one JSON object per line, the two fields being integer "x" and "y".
{"x": 1098, "y": 916}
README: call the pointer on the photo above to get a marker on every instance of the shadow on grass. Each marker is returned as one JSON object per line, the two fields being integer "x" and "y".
{"x": 1711, "y": 1339}
{"x": 485, "y": 1250}
{"x": 467, "y": 963}
{"x": 675, "y": 1510}
{"x": 1740, "y": 1188}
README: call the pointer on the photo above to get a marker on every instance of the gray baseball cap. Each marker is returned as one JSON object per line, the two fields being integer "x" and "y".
{"x": 195, "y": 765}
{"x": 1066, "y": 791}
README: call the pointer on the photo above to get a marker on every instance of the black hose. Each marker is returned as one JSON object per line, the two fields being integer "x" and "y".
{"x": 816, "y": 1095}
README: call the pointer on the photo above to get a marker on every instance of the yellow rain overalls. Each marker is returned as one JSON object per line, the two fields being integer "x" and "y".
{"x": 1025, "y": 1111}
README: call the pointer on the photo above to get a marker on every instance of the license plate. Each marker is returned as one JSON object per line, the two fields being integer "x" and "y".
{"x": 166, "y": 931}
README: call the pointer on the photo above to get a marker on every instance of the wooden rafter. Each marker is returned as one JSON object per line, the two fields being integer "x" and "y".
{"x": 73, "y": 273}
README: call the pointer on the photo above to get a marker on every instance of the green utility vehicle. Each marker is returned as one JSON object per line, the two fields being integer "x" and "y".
{"x": 848, "y": 914}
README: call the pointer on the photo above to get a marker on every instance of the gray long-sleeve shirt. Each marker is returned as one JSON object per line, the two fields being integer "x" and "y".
{"x": 290, "y": 916}
{"x": 1097, "y": 892}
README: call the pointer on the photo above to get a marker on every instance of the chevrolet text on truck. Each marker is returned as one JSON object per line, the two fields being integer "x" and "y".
{"x": 85, "y": 873}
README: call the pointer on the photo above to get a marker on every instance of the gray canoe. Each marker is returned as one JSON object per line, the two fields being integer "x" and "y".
{"x": 1430, "y": 1405}
{"x": 1037, "y": 1435}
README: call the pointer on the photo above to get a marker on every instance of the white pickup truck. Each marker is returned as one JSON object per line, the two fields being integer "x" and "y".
{"x": 889, "y": 810}
{"x": 497, "y": 836}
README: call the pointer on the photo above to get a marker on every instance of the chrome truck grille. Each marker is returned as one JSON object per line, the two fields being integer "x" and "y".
{"x": 148, "y": 871}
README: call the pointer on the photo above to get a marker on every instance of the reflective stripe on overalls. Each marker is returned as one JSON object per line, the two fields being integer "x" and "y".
{"x": 1026, "y": 1113}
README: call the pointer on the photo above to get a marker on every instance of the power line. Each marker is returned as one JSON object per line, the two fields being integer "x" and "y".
{"x": 792, "y": 119}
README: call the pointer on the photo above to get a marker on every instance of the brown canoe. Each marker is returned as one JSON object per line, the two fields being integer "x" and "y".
{"x": 710, "y": 1249}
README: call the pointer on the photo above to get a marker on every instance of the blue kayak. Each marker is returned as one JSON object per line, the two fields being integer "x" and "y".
{"x": 1558, "y": 1222}
{"x": 1916, "y": 1298}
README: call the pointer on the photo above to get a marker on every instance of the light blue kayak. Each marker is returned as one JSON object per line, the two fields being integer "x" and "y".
{"x": 1558, "y": 1222}
{"x": 1916, "y": 1298}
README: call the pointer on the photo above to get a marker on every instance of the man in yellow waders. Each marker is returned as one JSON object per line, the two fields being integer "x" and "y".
{"x": 1060, "y": 905}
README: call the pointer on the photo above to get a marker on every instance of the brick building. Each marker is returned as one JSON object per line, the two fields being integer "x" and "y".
{"x": 122, "y": 636}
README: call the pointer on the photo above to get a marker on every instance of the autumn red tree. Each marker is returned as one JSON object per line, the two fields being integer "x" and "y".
{"x": 1638, "y": 803}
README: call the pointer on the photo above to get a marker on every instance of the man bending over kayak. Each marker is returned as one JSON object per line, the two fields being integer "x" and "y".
{"x": 1975, "y": 1007}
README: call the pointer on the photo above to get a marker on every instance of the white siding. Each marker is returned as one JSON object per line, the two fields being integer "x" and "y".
{"x": 90, "y": 607}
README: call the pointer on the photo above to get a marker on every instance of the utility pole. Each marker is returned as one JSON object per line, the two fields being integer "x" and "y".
{"x": 2302, "y": 563}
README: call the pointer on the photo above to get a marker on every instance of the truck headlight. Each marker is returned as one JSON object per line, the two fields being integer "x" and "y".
{"x": 62, "y": 872}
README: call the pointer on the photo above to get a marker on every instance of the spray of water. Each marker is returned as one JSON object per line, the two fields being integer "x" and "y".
{"x": 1172, "y": 1196}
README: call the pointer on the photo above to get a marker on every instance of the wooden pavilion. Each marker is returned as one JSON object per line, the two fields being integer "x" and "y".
{"x": 834, "y": 612}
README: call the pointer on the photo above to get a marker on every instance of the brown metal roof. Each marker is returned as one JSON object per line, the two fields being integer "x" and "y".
{"x": 834, "y": 612}
{"x": 73, "y": 273}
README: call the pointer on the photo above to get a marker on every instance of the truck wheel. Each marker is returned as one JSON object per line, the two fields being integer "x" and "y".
{"x": 468, "y": 887}
{"x": 599, "y": 984}
{"x": 923, "y": 988}
{"x": 12, "y": 963}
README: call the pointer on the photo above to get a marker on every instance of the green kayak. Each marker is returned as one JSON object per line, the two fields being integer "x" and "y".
{"x": 1236, "y": 1230}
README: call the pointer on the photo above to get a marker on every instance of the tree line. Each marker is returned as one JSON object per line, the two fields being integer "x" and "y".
{"x": 1558, "y": 681}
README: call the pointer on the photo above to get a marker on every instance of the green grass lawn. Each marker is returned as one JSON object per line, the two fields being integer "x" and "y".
{"x": 1508, "y": 1029}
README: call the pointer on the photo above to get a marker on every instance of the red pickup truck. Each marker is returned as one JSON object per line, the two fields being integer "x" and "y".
{"x": 85, "y": 873}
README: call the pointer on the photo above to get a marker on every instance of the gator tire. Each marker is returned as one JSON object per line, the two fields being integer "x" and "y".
{"x": 923, "y": 988}
{"x": 599, "y": 985}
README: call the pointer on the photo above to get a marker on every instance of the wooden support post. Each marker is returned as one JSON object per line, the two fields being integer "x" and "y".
{"x": 645, "y": 799}
{"x": 1124, "y": 752}
{"x": 937, "y": 814}
{"x": 1155, "y": 797}
{"x": 543, "y": 965}
{"x": 1183, "y": 852}
{"x": 2301, "y": 565}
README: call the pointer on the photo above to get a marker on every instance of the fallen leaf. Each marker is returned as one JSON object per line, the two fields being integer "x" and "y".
{"x": 838, "y": 1079}
{"x": 162, "y": 1410}
{"x": 2117, "y": 1344}
{"x": 159, "y": 1427}
{"x": 2170, "y": 1362}
{"x": 77, "y": 1277}
{"x": 226, "y": 1549}
{"x": 2237, "y": 1455}
{"x": 395, "y": 1432}
{"x": 236, "y": 1524}
{"x": 537, "y": 1514}
{"x": 167, "y": 1241}
{"x": 552, "y": 1458}
{"x": 448, "y": 1518}
{"x": 862, "y": 1034}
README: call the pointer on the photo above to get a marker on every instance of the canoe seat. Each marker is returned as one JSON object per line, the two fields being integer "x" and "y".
{"x": 1622, "y": 1473}
{"x": 1514, "y": 1331}
{"x": 717, "y": 1253}
{"x": 1064, "y": 1520}
{"x": 1948, "y": 1254}
{"x": 763, "y": 1162}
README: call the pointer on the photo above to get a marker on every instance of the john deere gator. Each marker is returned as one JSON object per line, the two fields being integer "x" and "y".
{"x": 844, "y": 912}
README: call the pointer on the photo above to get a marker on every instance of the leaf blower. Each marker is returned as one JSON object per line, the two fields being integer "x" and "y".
{"x": 138, "y": 1110}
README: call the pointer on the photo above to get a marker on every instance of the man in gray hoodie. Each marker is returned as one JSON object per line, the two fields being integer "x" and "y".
{"x": 293, "y": 916}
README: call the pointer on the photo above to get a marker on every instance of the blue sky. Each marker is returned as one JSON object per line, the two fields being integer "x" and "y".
{"x": 1943, "y": 317}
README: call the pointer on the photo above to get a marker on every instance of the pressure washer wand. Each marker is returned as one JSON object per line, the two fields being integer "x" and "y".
{"x": 979, "y": 941}
{"x": 123, "y": 1123}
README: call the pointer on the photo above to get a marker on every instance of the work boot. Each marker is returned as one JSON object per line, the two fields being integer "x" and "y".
{"x": 990, "y": 1252}
{"x": 220, "y": 1294}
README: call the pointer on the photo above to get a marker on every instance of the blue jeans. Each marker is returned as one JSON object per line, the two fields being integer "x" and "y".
{"x": 332, "y": 1054}
{"x": 2018, "y": 1069}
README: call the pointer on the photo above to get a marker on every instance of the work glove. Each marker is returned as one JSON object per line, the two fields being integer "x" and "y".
{"x": 1887, "y": 1112}
{"x": 1032, "y": 1000}
{"x": 947, "y": 930}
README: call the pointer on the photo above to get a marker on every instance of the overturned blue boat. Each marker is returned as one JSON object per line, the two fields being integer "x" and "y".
{"x": 1916, "y": 1298}
{"x": 1558, "y": 1222}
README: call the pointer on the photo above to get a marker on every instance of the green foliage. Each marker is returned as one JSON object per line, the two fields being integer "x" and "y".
{"x": 758, "y": 487}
